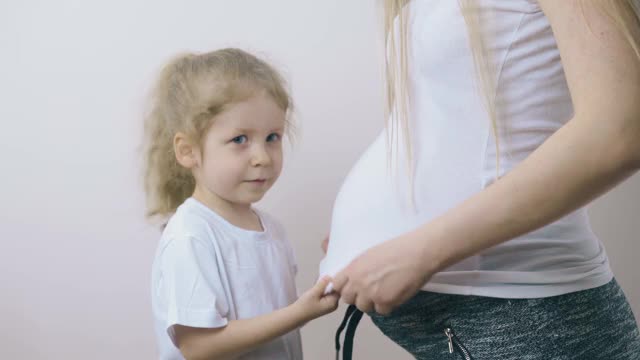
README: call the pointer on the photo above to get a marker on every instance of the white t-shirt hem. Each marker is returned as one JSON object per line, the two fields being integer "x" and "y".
{"x": 520, "y": 291}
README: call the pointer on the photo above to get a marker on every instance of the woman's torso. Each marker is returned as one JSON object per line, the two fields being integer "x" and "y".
{"x": 454, "y": 154}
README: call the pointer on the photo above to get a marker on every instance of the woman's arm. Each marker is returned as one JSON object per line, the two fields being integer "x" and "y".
{"x": 242, "y": 336}
{"x": 593, "y": 152}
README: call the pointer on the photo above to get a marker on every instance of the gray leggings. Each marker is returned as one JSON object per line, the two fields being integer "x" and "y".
{"x": 590, "y": 324}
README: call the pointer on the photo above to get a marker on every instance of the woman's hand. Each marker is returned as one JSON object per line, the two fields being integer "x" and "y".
{"x": 386, "y": 275}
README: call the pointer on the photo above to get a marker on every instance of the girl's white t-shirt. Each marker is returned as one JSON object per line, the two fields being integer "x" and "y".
{"x": 207, "y": 272}
{"x": 455, "y": 155}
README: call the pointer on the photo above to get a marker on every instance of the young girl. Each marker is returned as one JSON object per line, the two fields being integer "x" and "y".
{"x": 223, "y": 276}
{"x": 480, "y": 246}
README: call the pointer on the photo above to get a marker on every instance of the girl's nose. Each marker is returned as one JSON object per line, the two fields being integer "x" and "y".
{"x": 260, "y": 157}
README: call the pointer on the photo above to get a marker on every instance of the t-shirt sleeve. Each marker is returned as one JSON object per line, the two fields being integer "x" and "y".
{"x": 193, "y": 287}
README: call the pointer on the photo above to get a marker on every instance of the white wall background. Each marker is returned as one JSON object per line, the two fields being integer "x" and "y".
{"x": 76, "y": 251}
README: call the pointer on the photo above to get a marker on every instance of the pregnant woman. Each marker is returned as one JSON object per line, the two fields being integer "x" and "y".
{"x": 462, "y": 230}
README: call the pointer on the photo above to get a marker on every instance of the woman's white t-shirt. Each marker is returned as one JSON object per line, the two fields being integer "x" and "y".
{"x": 455, "y": 154}
{"x": 208, "y": 272}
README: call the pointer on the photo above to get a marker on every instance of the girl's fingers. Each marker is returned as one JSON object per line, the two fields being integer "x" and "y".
{"x": 321, "y": 285}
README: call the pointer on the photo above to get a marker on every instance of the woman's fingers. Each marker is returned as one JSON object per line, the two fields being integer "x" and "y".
{"x": 364, "y": 304}
{"x": 341, "y": 286}
{"x": 382, "y": 309}
{"x": 339, "y": 281}
{"x": 348, "y": 296}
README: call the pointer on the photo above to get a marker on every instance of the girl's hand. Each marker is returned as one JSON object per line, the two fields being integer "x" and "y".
{"x": 313, "y": 303}
{"x": 386, "y": 275}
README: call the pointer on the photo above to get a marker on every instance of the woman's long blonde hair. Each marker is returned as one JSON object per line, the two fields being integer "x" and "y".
{"x": 191, "y": 90}
{"x": 623, "y": 12}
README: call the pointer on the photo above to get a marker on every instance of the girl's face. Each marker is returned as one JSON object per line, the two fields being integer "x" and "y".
{"x": 241, "y": 155}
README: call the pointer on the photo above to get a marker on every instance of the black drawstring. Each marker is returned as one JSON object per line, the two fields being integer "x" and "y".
{"x": 350, "y": 334}
{"x": 343, "y": 324}
{"x": 351, "y": 320}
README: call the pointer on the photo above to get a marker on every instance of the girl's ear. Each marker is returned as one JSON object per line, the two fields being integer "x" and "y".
{"x": 186, "y": 152}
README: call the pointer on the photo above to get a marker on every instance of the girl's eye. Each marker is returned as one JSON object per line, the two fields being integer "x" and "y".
{"x": 273, "y": 137}
{"x": 240, "y": 139}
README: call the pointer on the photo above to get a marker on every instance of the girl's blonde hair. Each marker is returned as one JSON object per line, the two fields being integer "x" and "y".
{"x": 191, "y": 90}
{"x": 623, "y": 12}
